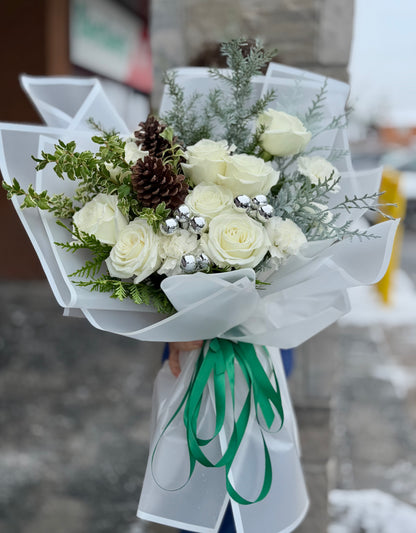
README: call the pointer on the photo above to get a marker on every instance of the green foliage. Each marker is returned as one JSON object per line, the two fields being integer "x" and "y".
{"x": 230, "y": 109}
{"x": 253, "y": 147}
{"x": 313, "y": 119}
{"x": 141, "y": 293}
{"x": 155, "y": 216}
{"x": 174, "y": 155}
{"x": 315, "y": 114}
{"x": 228, "y": 112}
{"x": 105, "y": 171}
{"x": 67, "y": 162}
{"x": 99, "y": 250}
{"x": 296, "y": 198}
{"x": 58, "y": 204}
{"x": 233, "y": 107}
{"x": 185, "y": 117}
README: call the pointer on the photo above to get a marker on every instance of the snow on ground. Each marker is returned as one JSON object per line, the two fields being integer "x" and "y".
{"x": 403, "y": 379}
{"x": 368, "y": 309}
{"x": 369, "y": 511}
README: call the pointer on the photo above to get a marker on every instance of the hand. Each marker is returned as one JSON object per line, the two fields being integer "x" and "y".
{"x": 175, "y": 348}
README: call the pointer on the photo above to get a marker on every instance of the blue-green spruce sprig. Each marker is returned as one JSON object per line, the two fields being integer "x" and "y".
{"x": 313, "y": 120}
{"x": 233, "y": 108}
{"x": 227, "y": 113}
{"x": 314, "y": 116}
{"x": 297, "y": 198}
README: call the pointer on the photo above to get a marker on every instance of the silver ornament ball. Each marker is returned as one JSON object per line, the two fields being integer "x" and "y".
{"x": 197, "y": 224}
{"x": 242, "y": 202}
{"x": 188, "y": 264}
{"x": 265, "y": 212}
{"x": 203, "y": 262}
{"x": 258, "y": 201}
{"x": 169, "y": 226}
{"x": 182, "y": 213}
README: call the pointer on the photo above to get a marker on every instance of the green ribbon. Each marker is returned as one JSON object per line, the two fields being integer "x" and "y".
{"x": 220, "y": 361}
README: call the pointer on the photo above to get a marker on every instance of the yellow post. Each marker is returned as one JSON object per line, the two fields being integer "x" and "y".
{"x": 390, "y": 184}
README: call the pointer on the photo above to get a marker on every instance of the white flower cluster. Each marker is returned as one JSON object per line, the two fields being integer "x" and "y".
{"x": 225, "y": 220}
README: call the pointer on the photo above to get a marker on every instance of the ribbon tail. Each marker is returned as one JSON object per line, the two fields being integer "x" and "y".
{"x": 186, "y": 508}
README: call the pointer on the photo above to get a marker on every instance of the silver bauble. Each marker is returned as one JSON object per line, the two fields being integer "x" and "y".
{"x": 169, "y": 226}
{"x": 182, "y": 213}
{"x": 265, "y": 212}
{"x": 242, "y": 203}
{"x": 203, "y": 262}
{"x": 188, "y": 264}
{"x": 258, "y": 201}
{"x": 197, "y": 225}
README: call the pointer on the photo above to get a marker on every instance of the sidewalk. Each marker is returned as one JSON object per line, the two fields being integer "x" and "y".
{"x": 75, "y": 419}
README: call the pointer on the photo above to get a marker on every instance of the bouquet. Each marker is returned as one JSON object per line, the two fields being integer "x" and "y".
{"x": 232, "y": 219}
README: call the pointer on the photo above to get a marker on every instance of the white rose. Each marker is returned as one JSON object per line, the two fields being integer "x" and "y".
{"x": 205, "y": 160}
{"x": 318, "y": 169}
{"x": 285, "y": 236}
{"x": 136, "y": 252}
{"x": 234, "y": 239}
{"x": 102, "y": 218}
{"x": 132, "y": 152}
{"x": 209, "y": 200}
{"x": 284, "y": 134}
{"x": 247, "y": 174}
{"x": 173, "y": 247}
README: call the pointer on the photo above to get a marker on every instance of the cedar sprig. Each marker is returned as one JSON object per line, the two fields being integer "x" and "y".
{"x": 141, "y": 293}
{"x": 236, "y": 112}
{"x": 99, "y": 250}
{"x": 185, "y": 116}
{"x": 231, "y": 117}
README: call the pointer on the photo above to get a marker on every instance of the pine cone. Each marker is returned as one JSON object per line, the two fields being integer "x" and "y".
{"x": 148, "y": 137}
{"x": 155, "y": 182}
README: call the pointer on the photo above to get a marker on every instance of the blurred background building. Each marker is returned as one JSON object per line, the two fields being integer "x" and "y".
{"x": 102, "y": 38}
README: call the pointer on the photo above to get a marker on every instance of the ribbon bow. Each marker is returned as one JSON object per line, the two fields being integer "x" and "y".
{"x": 220, "y": 361}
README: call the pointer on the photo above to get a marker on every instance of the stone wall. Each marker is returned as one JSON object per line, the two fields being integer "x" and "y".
{"x": 311, "y": 34}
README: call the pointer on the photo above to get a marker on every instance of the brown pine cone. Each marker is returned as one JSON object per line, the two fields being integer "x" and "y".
{"x": 148, "y": 137}
{"x": 155, "y": 182}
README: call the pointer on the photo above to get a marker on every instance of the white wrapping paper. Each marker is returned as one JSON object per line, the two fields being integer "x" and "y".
{"x": 306, "y": 295}
{"x": 200, "y": 504}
